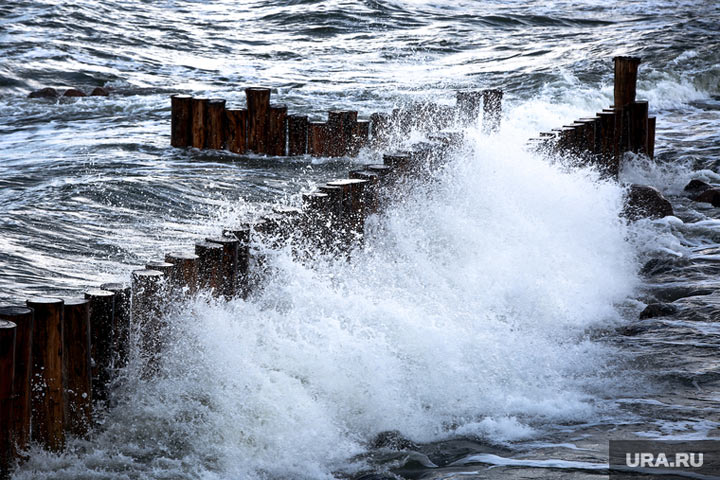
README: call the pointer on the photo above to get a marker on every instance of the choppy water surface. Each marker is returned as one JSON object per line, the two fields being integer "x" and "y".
{"x": 491, "y": 319}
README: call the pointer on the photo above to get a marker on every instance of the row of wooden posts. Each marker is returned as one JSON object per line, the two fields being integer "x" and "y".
{"x": 603, "y": 140}
{"x": 268, "y": 129}
{"x": 59, "y": 356}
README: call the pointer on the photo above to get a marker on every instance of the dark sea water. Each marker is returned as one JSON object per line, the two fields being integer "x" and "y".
{"x": 492, "y": 318}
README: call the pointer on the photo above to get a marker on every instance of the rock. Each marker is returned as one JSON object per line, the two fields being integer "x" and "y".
{"x": 393, "y": 440}
{"x": 697, "y": 186}
{"x": 657, "y": 310}
{"x": 709, "y": 196}
{"x": 44, "y": 93}
{"x": 100, "y": 92}
{"x": 74, "y": 92}
{"x": 643, "y": 201}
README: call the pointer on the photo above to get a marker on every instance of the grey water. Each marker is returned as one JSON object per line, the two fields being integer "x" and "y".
{"x": 491, "y": 320}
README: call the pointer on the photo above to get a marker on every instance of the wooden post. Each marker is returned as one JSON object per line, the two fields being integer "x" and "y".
{"x": 76, "y": 357}
{"x": 242, "y": 233}
{"x": 102, "y": 316}
{"x": 317, "y": 139}
{"x": 22, "y": 317}
{"x": 121, "y": 321}
{"x": 258, "y": 106}
{"x": 7, "y": 367}
{"x": 379, "y": 126}
{"x": 606, "y": 132}
{"x": 184, "y": 274}
{"x": 215, "y": 124}
{"x": 360, "y": 136}
{"x": 352, "y": 207}
{"x": 626, "y": 69}
{"x": 650, "y": 148}
{"x": 297, "y": 134}
{"x": 147, "y": 288}
{"x": 468, "y": 104}
{"x": 47, "y": 382}
{"x": 277, "y": 130}
{"x": 370, "y": 192}
{"x": 638, "y": 128}
{"x": 199, "y": 114}
{"x": 400, "y": 161}
{"x": 492, "y": 110}
{"x": 229, "y": 264}
{"x": 236, "y": 129}
{"x": 210, "y": 257}
{"x": 181, "y": 120}
{"x": 341, "y": 124}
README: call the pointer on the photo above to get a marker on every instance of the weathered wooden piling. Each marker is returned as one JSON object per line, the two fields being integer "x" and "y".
{"x": 380, "y": 128}
{"x": 7, "y": 367}
{"x": 147, "y": 289}
{"x": 199, "y": 115}
{"x": 210, "y": 271}
{"x": 360, "y": 136}
{"x": 185, "y": 271}
{"x": 318, "y": 139}
{"x": 215, "y": 124}
{"x": 341, "y": 124}
{"x": 77, "y": 366}
{"x": 47, "y": 382}
{"x": 236, "y": 129}
{"x": 492, "y": 110}
{"x": 606, "y": 133}
{"x": 352, "y": 204}
{"x": 22, "y": 317}
{"x": 468, "y": 104}
{"x": 297, "y": 134}
{"x": 121, "y": 321}
{"x": 242, "y": 234}
{"x": 626, "y": 69}
{"x": 102, "y": 329}
{"x": 399, "y": 161}
{"x": 181, "y": 120}
{"x": 638, "y": 126}
{"x": 258, "y": 106}
{"x": 650, "y": 148}
{"x": 229, "y": 264}
{"x": 277, "y": 130}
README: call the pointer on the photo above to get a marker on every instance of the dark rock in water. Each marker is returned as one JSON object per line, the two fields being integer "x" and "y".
{"x": 632, "y": 330}
{"x": 697, "y": 186}
{"x": 44, "y": 93}
{"x": 100, "y": 92}
{"x": 657, "y": 310}
{"x": 709, "y": 196}
{"x": 643, "y": 201}
{"x": 393, "y": 440}
{"x": 74, "y": 92}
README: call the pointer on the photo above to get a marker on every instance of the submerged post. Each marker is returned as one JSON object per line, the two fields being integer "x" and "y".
{"x": 229, "y": 264}
{"x": 147, "y": 286}
{"x": 210, "y": 266}
{"x": 7, "y": 367}
{"x": 47, "y": 382}
{"x": 22, "y": 317}
{"x": 76, "y": 357}
{"x": 258, "y": 106}
{"x": 181, "y": 120}
{"x": 626, "y": 69}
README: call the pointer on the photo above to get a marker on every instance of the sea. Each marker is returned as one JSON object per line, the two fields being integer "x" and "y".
{"x": 489, "y": 325}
